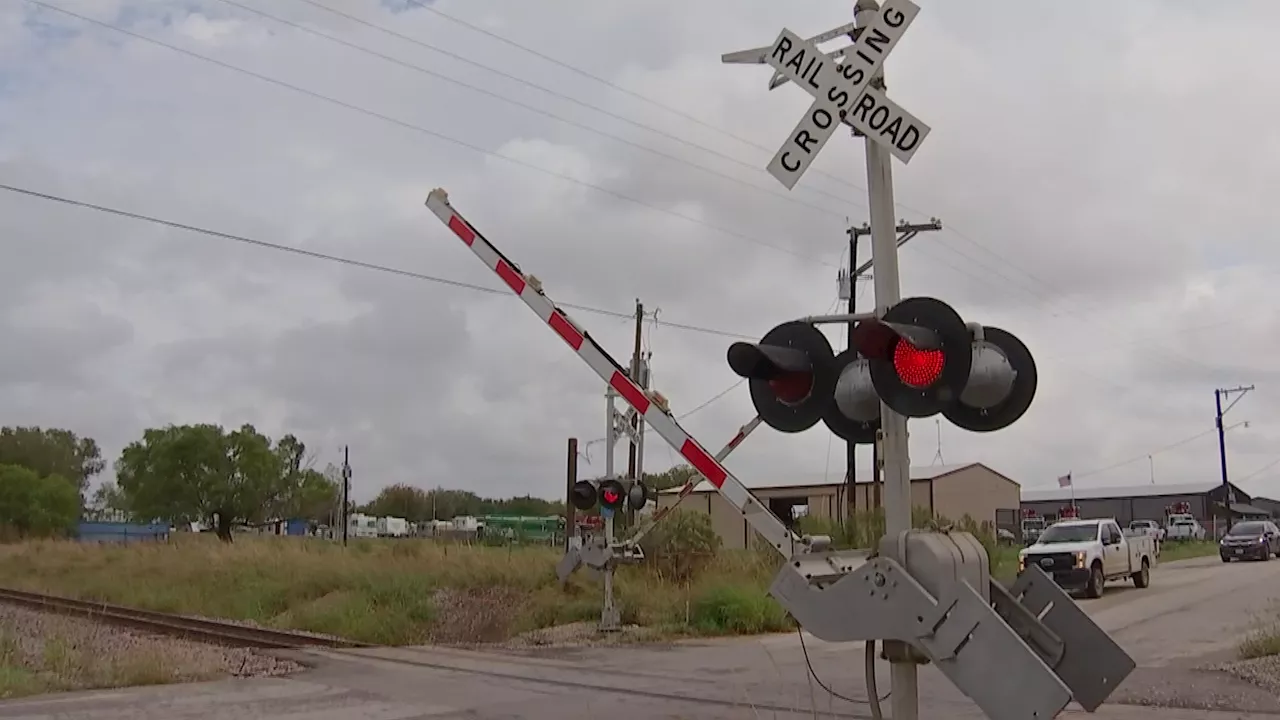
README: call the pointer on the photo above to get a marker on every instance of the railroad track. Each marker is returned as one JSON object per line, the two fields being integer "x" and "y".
{"x": 202, "y": 629}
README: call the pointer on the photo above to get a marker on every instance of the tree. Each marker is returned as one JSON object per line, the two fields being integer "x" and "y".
{"x": 109, "y": 496}
{"x": 51, "y": 451}
{"x": 37, "y": 505}
{"x": 316, "y": 498}
{"x": 187, "y": 473}
{"x": 672, "y": 477}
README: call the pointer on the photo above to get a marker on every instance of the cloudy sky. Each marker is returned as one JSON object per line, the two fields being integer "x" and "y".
{"x": 1105, "y": 174}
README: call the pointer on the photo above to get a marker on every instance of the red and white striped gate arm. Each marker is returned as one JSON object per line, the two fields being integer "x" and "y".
{"x": 661, "y": 420}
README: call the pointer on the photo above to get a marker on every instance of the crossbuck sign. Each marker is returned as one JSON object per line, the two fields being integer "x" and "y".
{"x": 843, "y": 93}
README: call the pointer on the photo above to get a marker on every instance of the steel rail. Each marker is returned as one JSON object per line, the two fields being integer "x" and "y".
{"x": 203, "y": 629}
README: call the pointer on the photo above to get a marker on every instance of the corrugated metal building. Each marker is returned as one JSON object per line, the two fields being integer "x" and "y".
{"x": 1271, "y": 506}
{"x": 1142, "y": 502}
{"x": 950, "y": 491}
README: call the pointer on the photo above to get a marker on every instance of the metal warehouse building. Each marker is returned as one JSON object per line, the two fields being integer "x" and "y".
{"x": 950, "y": 491}
{"x": 1144, "y": 502}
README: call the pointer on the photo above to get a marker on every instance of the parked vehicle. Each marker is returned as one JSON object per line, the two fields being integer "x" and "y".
{"x": 1183, "y": 526}
{"x": 1148, "y": 527}
{"x": 1085, "y": 554}
{"x": 1032, "y": 525}
{"x": 1250, "y": 540}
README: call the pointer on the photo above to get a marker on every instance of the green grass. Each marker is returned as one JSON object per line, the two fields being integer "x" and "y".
{"x": 390, "y": 592}
{"x": 409, "y": 591}
{"x": 1264, "y": 639}
{"x": 57, "y": 661}
{"x": 1187, "y": 549}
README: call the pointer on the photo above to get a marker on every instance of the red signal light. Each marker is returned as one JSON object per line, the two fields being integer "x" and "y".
{"x": 915, "y": 367}
{"x": 611, "y": 497}
{"x": 792, "y": 387}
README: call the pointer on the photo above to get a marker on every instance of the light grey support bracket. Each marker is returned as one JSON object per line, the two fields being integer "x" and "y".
{"x": 597, "y": 555}
{"x": 958, "y": 630}
{"x": 1090, "y": 662}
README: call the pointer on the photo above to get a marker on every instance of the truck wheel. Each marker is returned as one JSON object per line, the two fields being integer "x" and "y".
{"x": 1142, "y": 578}
{"x": 1096, "y": 582}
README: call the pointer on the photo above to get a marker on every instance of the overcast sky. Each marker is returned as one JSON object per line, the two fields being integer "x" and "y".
{"x": 1105, "y": 172}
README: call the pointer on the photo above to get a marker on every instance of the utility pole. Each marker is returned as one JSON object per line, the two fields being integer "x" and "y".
{"x": 636, "y": 360}
{"x": 571, "y": 475}
{"x": 1228, "y": 497}
{"x": 905, "y": 232}
{"x": 346, "y": 489}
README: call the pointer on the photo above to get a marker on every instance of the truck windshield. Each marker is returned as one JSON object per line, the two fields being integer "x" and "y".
{"x": 1070, "y": 533}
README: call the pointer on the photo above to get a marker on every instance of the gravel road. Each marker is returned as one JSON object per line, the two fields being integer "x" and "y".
{"x": 41, "y": 652}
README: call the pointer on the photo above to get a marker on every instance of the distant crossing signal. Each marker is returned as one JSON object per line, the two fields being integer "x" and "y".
{"x": 610, "y": 494}
{"x": 584, "y": 495}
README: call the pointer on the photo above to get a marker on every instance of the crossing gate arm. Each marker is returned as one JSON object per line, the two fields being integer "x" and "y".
{"x": 692, "y": 483}
{"x": 589, "y": 351}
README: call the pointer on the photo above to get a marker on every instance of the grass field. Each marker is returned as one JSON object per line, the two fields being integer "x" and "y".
{"x": 409, "y": 591}
{"x": 392, "y": 592}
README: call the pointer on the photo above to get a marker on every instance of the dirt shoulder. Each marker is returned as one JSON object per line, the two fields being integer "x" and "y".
{"x": 42, "y": 653}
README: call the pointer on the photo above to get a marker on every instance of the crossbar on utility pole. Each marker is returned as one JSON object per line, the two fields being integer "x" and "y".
{"x": 1228, "y": 497}
{"x": 906, "y": 231}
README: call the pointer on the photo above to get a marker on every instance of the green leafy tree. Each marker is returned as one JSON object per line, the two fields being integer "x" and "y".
{"x": 33, "y": 505}
{"x": 187, "y": 473}
{"x": 51, "y": 451}
{"x": 316, "y": 498}
{"x": 672, "y": 477}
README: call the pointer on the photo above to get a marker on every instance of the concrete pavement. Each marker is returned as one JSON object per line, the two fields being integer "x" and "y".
{"x": 1193, "y": 609}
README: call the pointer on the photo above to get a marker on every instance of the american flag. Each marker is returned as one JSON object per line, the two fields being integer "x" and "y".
{"x": 1064, "y": 481}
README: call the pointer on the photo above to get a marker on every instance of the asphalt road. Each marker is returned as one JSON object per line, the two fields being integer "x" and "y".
{"x": 1193, "y": 611}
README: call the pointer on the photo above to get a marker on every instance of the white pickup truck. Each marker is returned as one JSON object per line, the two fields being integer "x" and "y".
{"x": 1085, "y": 554}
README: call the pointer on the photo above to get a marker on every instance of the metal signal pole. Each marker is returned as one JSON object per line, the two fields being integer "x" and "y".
{"x": 636, "y": 360}
{"x": 1228, "y": 497}
{"x": 571, "y": 476}
{"x": 905, "y": 231}
{"x": 346, "y": 490}
{"x": 903, "y": 675}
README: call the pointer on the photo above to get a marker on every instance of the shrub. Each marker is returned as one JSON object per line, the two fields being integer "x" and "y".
{"x": 681, "y": 545}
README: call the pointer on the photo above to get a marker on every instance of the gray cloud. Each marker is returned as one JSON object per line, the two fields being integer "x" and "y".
{"x": 1104, "y": 192}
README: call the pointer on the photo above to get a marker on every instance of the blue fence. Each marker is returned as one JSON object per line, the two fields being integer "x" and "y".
{"x": 97, "y": 532}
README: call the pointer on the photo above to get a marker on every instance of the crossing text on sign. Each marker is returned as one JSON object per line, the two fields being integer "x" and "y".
{"x": 839, "y": 89}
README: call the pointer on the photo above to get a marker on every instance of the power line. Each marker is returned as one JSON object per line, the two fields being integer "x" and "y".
{"x": 337, "y": 258}
{"x": 1019, "y": 285}
{"x": 981, "y": 246}
{"x": 754, "y": 167}
{"x": 569, "y": 178}
{"x": 432, "y": 133}
{"x": 1145, "y": 455}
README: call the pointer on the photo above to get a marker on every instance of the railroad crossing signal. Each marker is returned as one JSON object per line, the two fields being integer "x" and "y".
{"x": 924, "y": 360}
{"x": 611, "y": 494}
{"x": 920, "y": 359}
{"x": 843, "y": 93}
{"x": 796, "y": 379}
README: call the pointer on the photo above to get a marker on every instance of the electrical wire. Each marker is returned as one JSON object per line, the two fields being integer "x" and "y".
{"x": 1145, "y": 455}
{"x": 336, "y": 258}
{"x": 999, "y": 257}
{"x": 432, "y": 133}
{"x": 870, "y": 677}
{"x": 568, "y": 178}
{"x": 755, "y": 168}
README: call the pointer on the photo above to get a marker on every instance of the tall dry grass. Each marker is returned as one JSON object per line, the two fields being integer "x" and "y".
{"x": 390, "y": 592}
